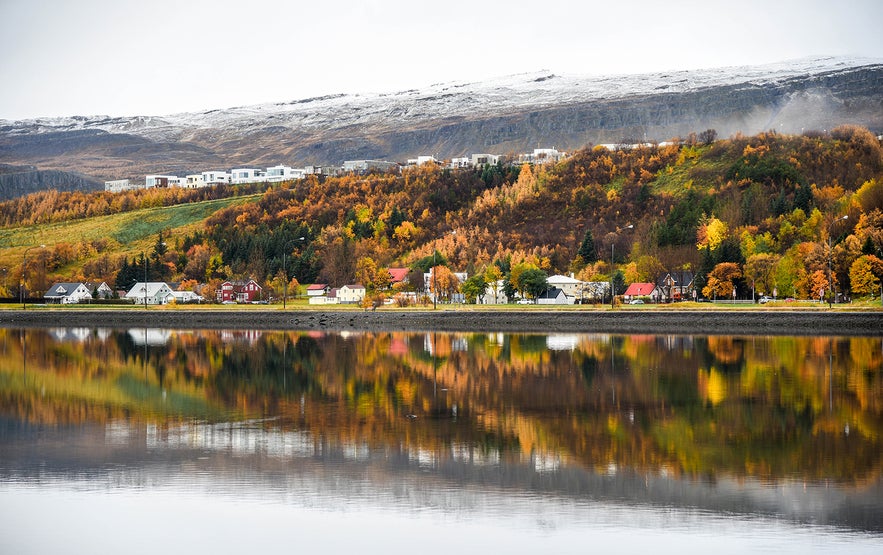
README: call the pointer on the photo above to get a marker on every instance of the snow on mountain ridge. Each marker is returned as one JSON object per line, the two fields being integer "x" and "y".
{"x": 534, "y": 90}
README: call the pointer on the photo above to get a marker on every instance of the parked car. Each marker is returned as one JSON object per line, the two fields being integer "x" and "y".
{"x": 636, "y": 301}
{"x": 765, "y": 299}
{"x": 524, "y": 301}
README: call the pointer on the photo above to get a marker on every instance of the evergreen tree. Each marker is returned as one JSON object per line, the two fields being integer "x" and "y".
{"x": 587, "y": 248}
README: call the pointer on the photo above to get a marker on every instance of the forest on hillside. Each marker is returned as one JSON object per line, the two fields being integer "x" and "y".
{"x": 750, "y": 213}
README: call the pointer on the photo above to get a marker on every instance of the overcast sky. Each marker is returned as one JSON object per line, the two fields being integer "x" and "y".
{"x": 155, "y": 57}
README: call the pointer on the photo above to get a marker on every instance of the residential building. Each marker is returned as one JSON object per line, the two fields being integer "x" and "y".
{"x": 160, "y": 181}
{"x": 102, "y": 290}
{"x": 283, "y": 173}
{"x": 554, "y": 295}
{"x": 194, "y": 181}
{"x": 398, "y": 275}
{"x": 120, "y": 185}
{"x": 246, "y": 175}
{"x": 239, "y": 291}
{"x": 363, "y": 166}
{"x": 461, "y": 163}
{"x": 479, "y": 160}
{"x": 542, "y": 156}
{"x": 150, "y": 293}
{"x": 317, "y": 290}
{"x": 636, "y": 290}
{"x": 351, "y": 294}
{"x": 187, "y": 297}
{"x": 215, "y": 177}
{"x": 68, "y": 293}
{"x": 675, "y": 286}
{"x": 420, "y": 160}
{"x": 494, "y": 294}
{"x": 570, "y": 285}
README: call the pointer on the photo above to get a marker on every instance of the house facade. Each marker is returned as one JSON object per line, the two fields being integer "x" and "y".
{"x": 351, "y": 294}
{"x": 239, "y": 291}
{"x": 637, "y": 290}
{"x": 68, "y": 293}
{"x": 554, "y": 295}
{"x": 317, "y": 290}
{"x": 153, "y": 292}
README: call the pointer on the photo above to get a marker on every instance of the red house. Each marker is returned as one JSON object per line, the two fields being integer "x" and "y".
{"x": 639, "y": 290}
{"x": 239, "y": 291}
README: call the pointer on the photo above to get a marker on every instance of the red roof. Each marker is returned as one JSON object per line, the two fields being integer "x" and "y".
{"x": 317, "y": 287}
{"x": 639, "y": 290}
{"x": 398, "y": 274}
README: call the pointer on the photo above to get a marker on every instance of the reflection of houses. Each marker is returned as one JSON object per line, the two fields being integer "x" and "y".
{"x": 239, "y": 291}
{"x": 153, "y": 292}
{"x": 152, "y": 337}
{"x": 561, "y": 342}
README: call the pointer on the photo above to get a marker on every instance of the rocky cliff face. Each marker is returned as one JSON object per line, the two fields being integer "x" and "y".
{"x": 511, "y": 115}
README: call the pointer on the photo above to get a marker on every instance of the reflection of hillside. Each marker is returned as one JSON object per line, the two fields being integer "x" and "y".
{"x": 764, "y": 407}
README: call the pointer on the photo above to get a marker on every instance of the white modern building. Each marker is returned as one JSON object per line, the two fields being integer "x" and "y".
{"x": 246, "y": 175}
{"x": 160, "y": 181}
{"x": 284, "y": 173}
{"x": 215, "y": 177}
{"x": 120, "y": 185}
{"x": 479, "y": 160}
{"x": 194, "y": 181}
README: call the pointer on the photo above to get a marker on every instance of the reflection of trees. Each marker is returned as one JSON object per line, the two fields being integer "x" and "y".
{"x": 766, "y": 407}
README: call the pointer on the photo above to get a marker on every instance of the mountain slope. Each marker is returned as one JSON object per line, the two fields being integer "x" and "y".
{"x": 509, "y": 115}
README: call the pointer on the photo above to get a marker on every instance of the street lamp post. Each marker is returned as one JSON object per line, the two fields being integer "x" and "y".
{"x": 24, "y": 270}
{"x": 285, "y": 271}
{"x": 612, "y": 244}
{"x": 830, "y": 255}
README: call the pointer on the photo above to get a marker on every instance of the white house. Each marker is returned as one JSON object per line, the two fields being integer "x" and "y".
{"x": 283, "y": 173}
{"x": 494, "y": 297}
{"x": 479, "y": 160}
{"x": 359, "y": 166}
{"x": 245, "y": 175}
{"x": 120, "y": 185}
{"x": 68, "y": 293}
{"x": 570, "y": 285}
{"x": 553, "y": 295}
{"x": 194, "y": 181}
{"x": 160, "y": 181}
{"x": 215, "y": 177}
{"x": 420, "y": 160}
{"x": 351, "y": 294}
{"x": 317, "y": 290}
{"x": 187, "y": 297}
{"x": 153, "y": 292}
{"x": 460, "y": 163}
{"x": 543, "y": 155}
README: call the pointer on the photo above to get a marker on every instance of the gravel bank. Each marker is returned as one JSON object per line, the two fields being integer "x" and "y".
{"x": 773, "y": 322}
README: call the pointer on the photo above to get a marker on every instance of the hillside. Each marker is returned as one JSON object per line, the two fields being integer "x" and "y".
{"x": 767, "y": 204}
{"x": 509, "y": 115}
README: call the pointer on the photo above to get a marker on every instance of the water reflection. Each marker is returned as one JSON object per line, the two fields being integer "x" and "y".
{"x": 773, "y": 428}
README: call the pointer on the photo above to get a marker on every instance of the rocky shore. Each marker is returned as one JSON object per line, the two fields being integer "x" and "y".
{"x": 692, "y": 322}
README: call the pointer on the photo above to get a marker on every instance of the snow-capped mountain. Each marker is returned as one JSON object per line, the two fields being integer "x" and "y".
{"x": 510, "y": 114}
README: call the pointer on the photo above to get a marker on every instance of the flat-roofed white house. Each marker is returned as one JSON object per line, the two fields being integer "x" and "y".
{"x": 152, "y": 292}
{"x": 245, "y": 175}
{"x": 215, "y": 177}
{"x": 479, "y": 160}
{"x": 283, "y": 173}
{"x": 194, "y": 181}
{"x": 160, "y": 181}
{"x": 120, "y": 185}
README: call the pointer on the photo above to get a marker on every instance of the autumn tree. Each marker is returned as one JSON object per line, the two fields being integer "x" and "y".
{"x": 721, "y": 280}
{"x": 865, "y": 274}
{"x": 760, "y": 269}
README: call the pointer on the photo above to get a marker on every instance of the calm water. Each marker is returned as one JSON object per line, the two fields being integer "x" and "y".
{"x": 152, "y": 440}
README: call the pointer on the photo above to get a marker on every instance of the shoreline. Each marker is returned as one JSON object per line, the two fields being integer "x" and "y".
{"x": 686, "y": 322}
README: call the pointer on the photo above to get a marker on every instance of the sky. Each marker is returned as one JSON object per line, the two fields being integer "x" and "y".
{"x": 158, "y": 57}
